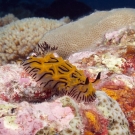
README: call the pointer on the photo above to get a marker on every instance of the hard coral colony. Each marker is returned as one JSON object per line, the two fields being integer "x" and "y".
{"x": 46, "y": 74}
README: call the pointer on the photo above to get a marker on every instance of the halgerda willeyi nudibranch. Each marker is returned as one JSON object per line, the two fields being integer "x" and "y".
{"x": 60, "y": 76}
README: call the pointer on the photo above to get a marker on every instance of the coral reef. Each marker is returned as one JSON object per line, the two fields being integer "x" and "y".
{"x": 7, "y": 19}
{"x": 104, "y": 117}
{"x": 114, "y": 57}
{"x": 50, "y": 117}
{"x": 118, "y": 123}
{"x": 64, "y": 116}
{"x": 24, "y": 105}
{"x": 18, "y": 38}
{"x": 87, "y": 31}
{"x": 122, "y": 89}
{"x": 124, "y": 95}
{"x": 100, "y": 115}
{"x": 28, "y": 118}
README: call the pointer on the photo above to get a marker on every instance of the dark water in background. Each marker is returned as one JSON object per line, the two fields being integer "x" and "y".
{"x": 109, "y": 4}
{"x": 59, "y": 8}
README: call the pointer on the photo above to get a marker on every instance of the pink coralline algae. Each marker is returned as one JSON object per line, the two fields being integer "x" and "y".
{"x": 27, "y": 119}
{"x": 17, "y": 85}
{"x": 63, "y": 116}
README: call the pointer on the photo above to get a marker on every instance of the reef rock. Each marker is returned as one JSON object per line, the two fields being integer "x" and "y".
{"x": 63, "y": 116}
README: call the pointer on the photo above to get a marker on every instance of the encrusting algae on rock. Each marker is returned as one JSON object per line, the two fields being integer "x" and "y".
{"x": 63, "y": 116}
{"x": 99, "y": 114}
{"x": 97, "y": 118}
{"x": 117, "y": 79}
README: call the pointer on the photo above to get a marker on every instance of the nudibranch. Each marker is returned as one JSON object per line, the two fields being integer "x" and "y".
{"x": 60, "y": 76}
